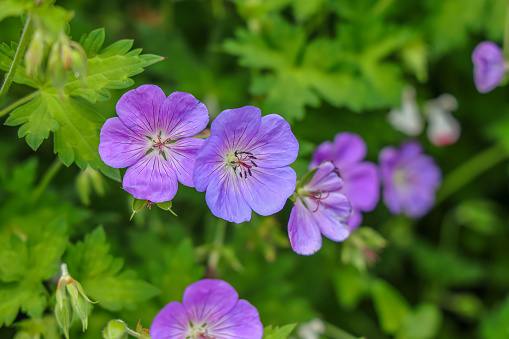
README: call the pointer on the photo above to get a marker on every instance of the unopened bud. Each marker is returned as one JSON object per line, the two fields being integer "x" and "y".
{"x": 80, "y": 301}
{"x": 63, "y": 310}
{"x": 138, "y": 205}
{"x": 79, "y": 62}
{"x": 35, "y": 54}
{"x": 57, "y": 71}
{"x": 116, "y": 329}
{"x": 166, "y": 206}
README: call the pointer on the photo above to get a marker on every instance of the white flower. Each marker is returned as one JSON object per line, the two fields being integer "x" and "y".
{"x": 407, "y": 119}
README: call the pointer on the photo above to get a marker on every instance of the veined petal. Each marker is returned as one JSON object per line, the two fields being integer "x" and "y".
{"x": 209, "y": 160}
{"x": 322, "y": 153}
{"x": 362, "y": 185}
{"x": 274, "y": 145}
{"x": 152, "y": 178}
{"x": 139, "y": 109}
{"x": 225, "y": 199}
{"x": 348, "y": 148}
{"x": 236, "y": 127}
{"x": 242, "y": 322}
{"x": 332, "y": 215}
{"x": 182, "y": 115}
{"x": 121, "y": 147}
{"x": 325, "y": 179}
{"x": 267, "y": 189}
{"x": 182, "y": 157}
{"x": 170, "y": 323}
{"x": 304, "y": 234}
{"x": 207, "y": 300}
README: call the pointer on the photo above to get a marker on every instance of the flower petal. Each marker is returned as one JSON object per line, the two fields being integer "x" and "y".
{"x": 182, "y": 156}
{"x": 267, "y": 189}
{"x": 348, "y": 148}
{"x": 274, "y": 145}
{"x": 326, "y": 179}
{"x": 170, "y": 323}
{"x": 331, "y": 215}
{"x": 362, "y": 185}
{"x": 225, "y": 199}
{"x": 152, "y": 178}
{"x": 304, "y": 234}
{"x": 355, "y": 219}
{"x": 139, "y": 109}
{"x": 120, "y": 147}
{"x": 237, "y": 126}
{"x": 182, "y": 115}
{"x": 208, "y": 300}
{"x": 322, "y": 153}
{"x": 209, "y": 159}
{"x": 242, "y": 322}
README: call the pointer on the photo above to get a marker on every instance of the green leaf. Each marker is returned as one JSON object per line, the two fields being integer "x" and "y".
{"x": 495, "y": 324}
{"x": 391, "y": 307}
{"x": 6, "y": 56}
{"x": 29, "y": 297}
{"x": 350, "y": 285}
{"x": 13, "y": 8}
{"x": 277, "y": 332}
{"x": 98, "y": 273}
{"x": 423, "y": 323}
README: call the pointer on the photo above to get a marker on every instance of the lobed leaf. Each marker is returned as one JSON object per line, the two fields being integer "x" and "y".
{"x": 277, "y": 332}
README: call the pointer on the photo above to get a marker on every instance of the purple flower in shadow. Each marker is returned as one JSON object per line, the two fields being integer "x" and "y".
{"x": 489, "y": 66}
{"x": 410, "y": 179}
{"x": 243, "y": 165}
{"x": 150, "y": 136}
{"x": 319, "y": 209}
{"x": 361, "y": 181}
{"x": 210, "y": 309}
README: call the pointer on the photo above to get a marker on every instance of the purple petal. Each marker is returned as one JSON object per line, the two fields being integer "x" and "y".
{"x": 182, "y": 115}
{"x": 348, "y": 148}
{"x": 225, "y": 199}
{"x": 152, "y": 178}
{"x": 321, "y": 154}
{"x": 325, "y": 179}
{"x": 170, "y": 323}
{"x": 355, "y": 219}
{"x": 139, "y": 109}
{"x": 362, "y": 185}
{"x": 332, "y": 215}
{"x": 489, "y": 66}
{"x": 236, "y": 127}
{"x": 207, "y": 300}
{"x": 304, "y": 234}
{"x": 242, "y": 322}
{"x": 209, "y": 160}
{"x": 182, "y": 156}
{"x": 274, "y": 145}
{"x": 120, "y": 147}
{"x": 267, "y": 189}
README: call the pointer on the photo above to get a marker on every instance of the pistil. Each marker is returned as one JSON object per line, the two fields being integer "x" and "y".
{"x": 244, "y": 161}
{"x": 160, "y": 143}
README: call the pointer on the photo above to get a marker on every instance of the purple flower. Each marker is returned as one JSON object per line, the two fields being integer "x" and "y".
{"x": 210, "y": 309}
{"x": 243, "y": 165}
{"x": 489, "y": 66}
{"x": 410, "y": 179}
{"x": 319, "y": 209}
{"x": 361, "y": 182}
{"x": 145, "y": 138}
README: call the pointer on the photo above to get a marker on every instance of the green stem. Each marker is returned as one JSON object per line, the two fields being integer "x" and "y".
{"x": 218, "y": 242}
{"x": 25, "y": 37}
{"x": 472, "y": 168}
{"x": 506, "y": 32}
{"x": 19, "y": 103}
{"x": 334, "y": 332}
{"x": 134, "y": 334}
{"x": 46, "y": 179}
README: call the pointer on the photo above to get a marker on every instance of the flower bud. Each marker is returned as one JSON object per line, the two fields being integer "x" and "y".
{"x": 116, "y": 329}
{"x": 80, "y": 301}
{"x": 63, "y": 310}
{"x": 166, "y": 206}
{"x": 138, "y": 205}
{"x": 35, "y": 54}
{"x": 56, "y": 68}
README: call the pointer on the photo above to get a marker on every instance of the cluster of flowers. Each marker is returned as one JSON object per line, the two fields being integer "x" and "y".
{"x": 244, "y": 165}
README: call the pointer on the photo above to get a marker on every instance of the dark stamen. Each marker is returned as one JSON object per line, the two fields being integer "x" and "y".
{"x": 255, "y": 165}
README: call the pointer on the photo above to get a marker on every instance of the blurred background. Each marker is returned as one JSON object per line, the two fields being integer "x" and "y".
{"x": 327, "y": 66}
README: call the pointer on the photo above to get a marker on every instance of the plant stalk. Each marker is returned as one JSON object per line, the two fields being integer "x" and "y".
{"x": 19, "y": 103}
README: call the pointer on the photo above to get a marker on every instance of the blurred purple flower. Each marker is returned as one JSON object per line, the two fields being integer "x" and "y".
{"x": 361, "y": 182}
{"x": 410, "y": 179}
{"x": 243, "y": 165}
{"x": 489, "y": 66}
{"x": 319, "y": 209}
{"x": 210, "y": 309}
{"x": 144, "y": 138}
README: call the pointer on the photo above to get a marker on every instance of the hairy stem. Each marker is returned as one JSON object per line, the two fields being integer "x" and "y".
{"x": 19, "y": 103}
{"x": 134, "y": 334}
{"x": 218, "y": 242}
{"x": 23, "y": 42}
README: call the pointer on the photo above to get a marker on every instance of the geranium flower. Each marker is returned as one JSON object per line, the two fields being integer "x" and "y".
{"x": 319, "y": 209}
{"x": 443, "y": 128}
{"x": 210, "y": 309}
{"x": 489, "y": 66}
{"x": 361, "y": 182}
{"x": 410, "y": 179}
{"x": 145, "y": 138}
{"x": 243, "y": 165}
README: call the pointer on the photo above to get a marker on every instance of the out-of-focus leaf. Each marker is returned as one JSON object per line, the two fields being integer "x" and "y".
{"x": 6, "y": 56}
{"x": 277, "y": 332}
{"x": 422, "y": 323}
{"x": 13, "y": 7}
{"x": 479, "y": 215}
{"x": 350, "y": 285}
{"x": 495, "y": 324}
{"x": 391, "y": 307}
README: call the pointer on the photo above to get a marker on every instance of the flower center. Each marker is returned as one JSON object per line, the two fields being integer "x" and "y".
{"x": 243, "y": 161}
{"x": 318, "y": 197}
{"x": 200, "y": 333}
{"x": 159, "y": 143}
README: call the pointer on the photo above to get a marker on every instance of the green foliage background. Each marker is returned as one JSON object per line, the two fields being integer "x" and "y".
{"x": 326, "y": 66}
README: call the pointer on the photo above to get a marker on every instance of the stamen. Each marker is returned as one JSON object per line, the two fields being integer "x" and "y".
{"x": 255, "y": 165}
{"x": 318, "y": 197}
